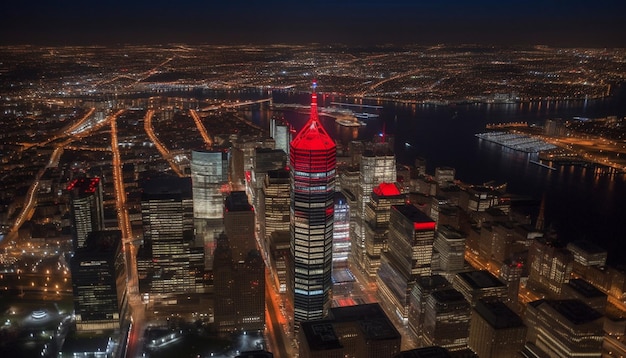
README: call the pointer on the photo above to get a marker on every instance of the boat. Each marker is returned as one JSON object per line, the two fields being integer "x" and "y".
{"x": 365, "y": 115}
{"x": 347, "y": 123}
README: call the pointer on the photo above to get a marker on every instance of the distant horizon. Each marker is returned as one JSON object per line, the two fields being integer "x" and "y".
{"x": 321, "y": 44}
{"x": 573, "y": 23}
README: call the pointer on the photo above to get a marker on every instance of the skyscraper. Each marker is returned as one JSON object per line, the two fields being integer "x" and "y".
{"x": 377, "y": 223}
{"x": 239, "y": 225}
{"x": 312, "y": 158}
{"x": 362, "y": 331}
{"x": 447, "y": 320}
{"x": 478, "y": 284}
{"x": 423, "y": 288}
{"x": 86, "y": 212}
{"x": 495, "y": 330}
{"x": 239, "y": 289}
{"x": 411, "y": 236}
{"x": 341, "y": 232}
{"x": 450, "y": 244}
{"x": 276, "y": 200}
{"x": 168, "y": 263}
{"x": 549, "y": 267}
{"x": 280, "y": 130}
{"x": 209, "y": 171}
{"x": 378, "y": 165}
{"x": 209, "y": 175}
{"x": 563, "y": 328}
{"x": 99, "y": 281}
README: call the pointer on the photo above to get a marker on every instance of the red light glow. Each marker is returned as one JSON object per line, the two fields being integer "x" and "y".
{"x": 423, "y": 226}
{"x": 386, "y": 189}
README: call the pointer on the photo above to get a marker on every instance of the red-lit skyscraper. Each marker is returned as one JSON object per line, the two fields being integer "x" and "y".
{"x": 86, "y": 212}
{"x": 313, "y": 160}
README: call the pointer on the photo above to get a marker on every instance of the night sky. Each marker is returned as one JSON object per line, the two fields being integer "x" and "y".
{"x": 597, "y": 23}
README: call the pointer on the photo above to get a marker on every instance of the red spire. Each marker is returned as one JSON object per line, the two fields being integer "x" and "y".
{"x": 313, "y": 135}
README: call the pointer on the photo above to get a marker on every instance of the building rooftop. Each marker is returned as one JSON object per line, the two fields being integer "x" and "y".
{"x": 433, "y": 282}
{"x": 420, "y": 220}
{"x": 342, "y": 276}
{"x": 448, "y": 296}
{"x": 162, "y": 186}
{"x": 320, "y": 335}
{"x": 103, "y": 241}
{"x": 450, "y": 233}
{"x": 575, "y": 311}
{"x": 84, "y": 186}
{"x": 480, "y": 279}
{"x": 278, "y": 174}
{"x": 370, "y": 318}
{"x": 497, "y": 314}
{"x": 386, "y": 189}
{"x": 585, "y": 288}
{"x": 237, "y": 201}
{"x": 586, "y": 246}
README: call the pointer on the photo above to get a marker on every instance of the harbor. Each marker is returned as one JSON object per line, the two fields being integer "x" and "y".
{"x": 520, "y": 142}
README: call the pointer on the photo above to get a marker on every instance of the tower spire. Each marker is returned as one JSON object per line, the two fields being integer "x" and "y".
{"x": 314, "y": 115}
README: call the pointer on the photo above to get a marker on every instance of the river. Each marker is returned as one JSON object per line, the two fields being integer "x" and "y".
{"x": 579, "y": 204}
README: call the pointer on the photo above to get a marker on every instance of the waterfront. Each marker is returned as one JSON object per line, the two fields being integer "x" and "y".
{"x": 579, "y": 203}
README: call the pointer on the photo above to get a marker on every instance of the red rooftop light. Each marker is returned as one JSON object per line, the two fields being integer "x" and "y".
{"x": 386, "y": 189}
{"x": 429, "y": 225}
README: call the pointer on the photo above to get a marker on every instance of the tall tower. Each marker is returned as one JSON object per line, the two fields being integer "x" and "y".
{"x": 312, "y": 158}
{"x": 209, "y": 176}
{"x": 86, "y": 210}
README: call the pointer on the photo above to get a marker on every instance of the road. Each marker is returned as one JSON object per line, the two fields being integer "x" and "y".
{"x": 132, "y": 284}
{"x": 147, "y": 125}
{"x": 277, "y": 324}
{"x": 201, "y": 128}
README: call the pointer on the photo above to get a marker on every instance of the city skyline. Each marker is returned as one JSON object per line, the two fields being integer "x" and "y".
{"x": 557, "y": 23}
{"x": 451, "y": 146}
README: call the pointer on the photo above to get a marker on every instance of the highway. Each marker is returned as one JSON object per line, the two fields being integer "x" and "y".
{"x": 147, "y": 125}
{"x": 118, "y": 181}
{"x": 205, "y": 136}
{"x": 64, "y": 133}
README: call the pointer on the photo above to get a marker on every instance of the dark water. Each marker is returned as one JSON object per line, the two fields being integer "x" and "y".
{"x": 579, "y": 204}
